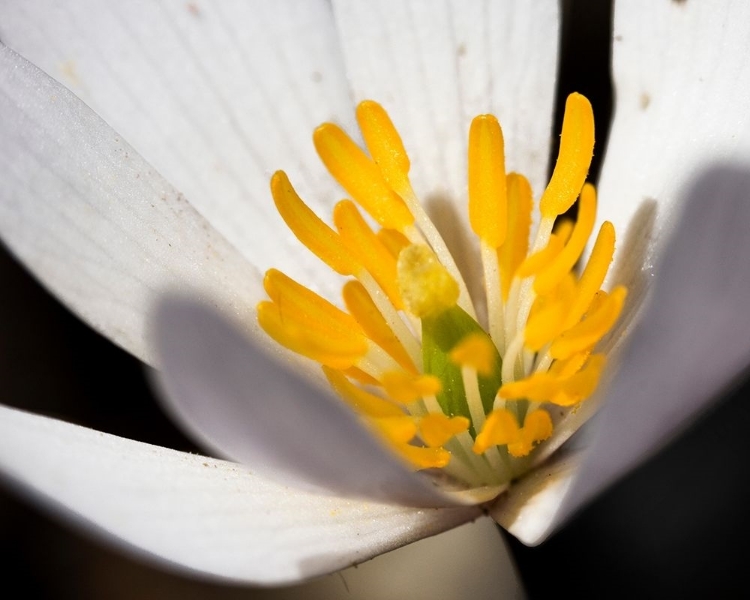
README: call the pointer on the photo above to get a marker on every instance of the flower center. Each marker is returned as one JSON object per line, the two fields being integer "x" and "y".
{"x": 409, "y": 354}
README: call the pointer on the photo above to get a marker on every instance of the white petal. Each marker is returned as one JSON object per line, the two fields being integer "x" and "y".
{"x": 690, "y": 344}
{"x": 435, "y": 66}
{"x": 245, "y": 405}
{"x": 217, "y": 96}
{"x": 201, "y": 514}
{"x": 682, "y": 87}
{"x": 94, "y": 221}
{"x": 529, "y": 508}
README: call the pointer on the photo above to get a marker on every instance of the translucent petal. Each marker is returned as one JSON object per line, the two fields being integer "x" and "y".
{"x": 244, "y": 404}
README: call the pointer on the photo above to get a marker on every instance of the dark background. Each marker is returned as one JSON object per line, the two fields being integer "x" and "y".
{"x": 677, "y": 527}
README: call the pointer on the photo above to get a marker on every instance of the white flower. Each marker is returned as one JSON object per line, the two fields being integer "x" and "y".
{"x": 216, "y": 98}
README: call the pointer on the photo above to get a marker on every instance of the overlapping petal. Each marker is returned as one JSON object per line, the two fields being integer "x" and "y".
{"x": 247, "y": 406}
{"x": 95, "y": 222}
{"x": 216, "y": 96}
{"x": 201, "y": 514}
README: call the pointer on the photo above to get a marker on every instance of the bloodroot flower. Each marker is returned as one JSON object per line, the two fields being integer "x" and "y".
{"x": 476, "y": 331}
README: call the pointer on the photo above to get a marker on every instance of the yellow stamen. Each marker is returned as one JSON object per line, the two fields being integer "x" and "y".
{"x": 367, "y": 249}
{"x": 537, "y": 261}
{"x": 426, "y": 286}
{"x": 501, "y": 428}
{"x": 400, "y": 430}
{"x": 547, "y": 316}
{"x": 563, "y": 229}
{"x": 561, "y": 265}
{"x": 537, "y": 428}
{"x": 589, "y": 331}
{"x": 319, "y": 238}
{"x": 565, "y": 386}
{"x": 423, "y": 458}
{"x": 384, "y": 144}
{"x": 360, "y": 177}
{"x": 393, "y": 240}
{"x": 487, "y": 188}
{"x": 405, "y": 388}
{"x": 581, "y": 385}
{"x": 563, "y": 369}
{"x": 536, "y": 388}
{"x": 312, "y": 311}
{"x": 543, "y": 326}
{"x": 367, "y": 315}
{"x": 359, "y": 375}
{"x": 362, "y": 401}
{"x": 593, "y": 274}
{"x": 475, "y": 351}
{"x": 513, "y": 251}
{"x": 409, "y": 354}
{"x": 436, "y": 429}
{"x": 337, "y": 351}
{"x": 574, "y": 158}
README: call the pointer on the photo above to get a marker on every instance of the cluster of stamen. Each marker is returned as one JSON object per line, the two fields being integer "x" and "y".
{"x": 408, "y": 353}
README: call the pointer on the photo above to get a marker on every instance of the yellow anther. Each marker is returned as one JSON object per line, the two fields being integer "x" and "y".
{"x": 399, "y": 430}
{"x": 436, "y": 429}
{"x": 513, "y": 251}
{"x": 319, "y": 238}
{"x": 360, "y": 177}
{"x": 426, "y": 286}
{"x": 367, "y": 249}
{"x": 565, "y": 385}
{"x": 405, "y": 387}
{"x": 371, "y": 354}
{"x": 384, "y": 144}
{"x": 558, "y": 267}
{"x": 488, "y": 204}
{"x": 536, "y": 388}
{"x": 574, "y": 158}
{"x": 588, "y": 332}
{"x": 335, "y": 350}
{"x": 394, "y": 240}
{"x": 537, "y": 427}
{"x": 309, "y": 309}
{"x": 362, "y": 401}
{"x": 593, "y": 274}
{"x": 359, "y": 375}
{"x": 544, "y": 325}
{"x": 475, "y": 351}
{"x": 563, "y": 229}
{"x": 363, "y": 309}
{"x": 562, "y": 369}
{"x": 423, "y": 458}
{"x": 580, "y": 386}
{"x": 501, "y": 428}
{"x": 537, "y": 261}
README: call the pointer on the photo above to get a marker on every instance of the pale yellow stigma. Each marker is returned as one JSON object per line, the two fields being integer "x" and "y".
{"x": 425, "y": 285}
{"x": 408, "y": 354}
